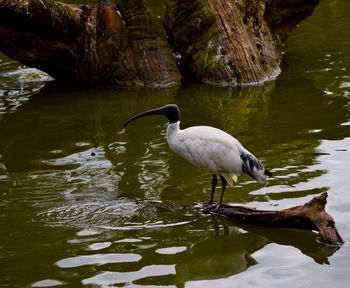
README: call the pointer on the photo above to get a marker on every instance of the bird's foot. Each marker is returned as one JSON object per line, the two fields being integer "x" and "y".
{"x": 211, "y": 207}
{"x": 218, "y": 205}
{"x": 208, "y": 204}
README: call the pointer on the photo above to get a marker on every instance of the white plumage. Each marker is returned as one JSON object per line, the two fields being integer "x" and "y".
{"x": 211, "y": 149}
{"x": 208, "y": 148}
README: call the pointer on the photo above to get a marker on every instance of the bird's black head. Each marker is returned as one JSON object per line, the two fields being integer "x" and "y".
{"x": 171, "y": 111}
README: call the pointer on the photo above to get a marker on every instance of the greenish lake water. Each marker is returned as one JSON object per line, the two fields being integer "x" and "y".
{"x": 86, "y": 204}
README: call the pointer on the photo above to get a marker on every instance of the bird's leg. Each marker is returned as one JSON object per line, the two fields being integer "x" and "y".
{"x": 213, "y": 186}
{"x": 224, "y": 184}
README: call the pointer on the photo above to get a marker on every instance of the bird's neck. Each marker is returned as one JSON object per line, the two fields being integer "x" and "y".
{"x": 172, "y": 131}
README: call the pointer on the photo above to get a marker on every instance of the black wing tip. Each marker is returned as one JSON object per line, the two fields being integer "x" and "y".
{"x": 268, "y": 173}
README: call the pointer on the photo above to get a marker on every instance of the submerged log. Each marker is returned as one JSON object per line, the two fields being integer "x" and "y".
{"x": 222, "y": 42}
{"x": 310, "y": 216}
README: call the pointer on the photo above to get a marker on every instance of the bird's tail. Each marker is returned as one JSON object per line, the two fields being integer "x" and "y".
{"x": 268, "y": 173}
{"x": 230, "y": 178}
{"x": 253, "y": 167}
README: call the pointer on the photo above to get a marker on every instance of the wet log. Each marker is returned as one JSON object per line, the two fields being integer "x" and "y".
{"x": 233, "y": 42}
{"x": 310, "y": 216}
{"x": 122, "y": 42}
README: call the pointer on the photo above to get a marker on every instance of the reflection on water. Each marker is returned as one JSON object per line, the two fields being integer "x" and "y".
{"x": 18, "y": 83}
{"x": 85, "y": 203}
{"x": 97, "y": 259}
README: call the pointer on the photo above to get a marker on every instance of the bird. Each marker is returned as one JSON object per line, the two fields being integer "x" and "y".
{"x": 211, "y": 149}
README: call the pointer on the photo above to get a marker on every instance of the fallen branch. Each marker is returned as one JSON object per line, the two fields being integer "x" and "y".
{"x": 310, "y": 216}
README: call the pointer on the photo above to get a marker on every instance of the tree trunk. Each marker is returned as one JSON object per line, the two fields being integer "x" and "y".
{"x": 88, "y": 44}
{"x": 310, "y": 216}
{"x": 233, "y": 42}
{"x": 223, "y": 42}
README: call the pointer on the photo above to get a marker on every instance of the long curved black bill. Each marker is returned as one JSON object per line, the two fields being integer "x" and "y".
{"x": 157, "y": 111}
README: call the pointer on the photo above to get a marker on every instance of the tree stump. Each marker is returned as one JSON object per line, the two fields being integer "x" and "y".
{"x": 88, "y": 44}
{"x": 233, "y": 42}
{"x": 310, "y": 216}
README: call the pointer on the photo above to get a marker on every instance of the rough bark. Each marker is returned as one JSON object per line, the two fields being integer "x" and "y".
{"x": 310, "y": 216}
{"x": 231, "y": 42}
{"x": 88, "y": 44}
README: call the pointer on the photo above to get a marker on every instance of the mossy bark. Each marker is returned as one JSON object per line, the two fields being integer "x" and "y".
{"x": 232, "y": 42}
{"x": 121, "y": 44}
{"x": 222, "y": 42}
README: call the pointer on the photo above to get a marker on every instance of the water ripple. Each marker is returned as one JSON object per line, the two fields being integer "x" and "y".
{"x": 17, "y": 83}
{"x": 171, "y": 250}
{"x": 148, "y": 225}
{"x": 108, "y": 279}
{"x": 47, "y": 283}
{"x": 99, "y": 246}
{"x": 97, "y": 259}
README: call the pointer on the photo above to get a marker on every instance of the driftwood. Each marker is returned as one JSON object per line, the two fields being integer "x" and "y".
{"x": 310, "y": 216}
{"x": 122, "y": 42}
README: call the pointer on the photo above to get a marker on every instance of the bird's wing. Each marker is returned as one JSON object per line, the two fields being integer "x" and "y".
{"x": 210, "y": 149}
{"x": 218, "y": 152}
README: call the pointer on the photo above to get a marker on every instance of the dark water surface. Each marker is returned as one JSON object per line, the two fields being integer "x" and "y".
{"x": 86, "y": 204}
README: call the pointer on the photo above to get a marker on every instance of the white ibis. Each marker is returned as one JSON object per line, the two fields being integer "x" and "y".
{"x": 209, "y": 148}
